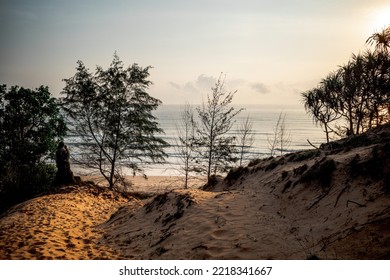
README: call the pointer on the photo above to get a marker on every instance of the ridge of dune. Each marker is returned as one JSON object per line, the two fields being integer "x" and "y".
{"x": 329, "y": 203}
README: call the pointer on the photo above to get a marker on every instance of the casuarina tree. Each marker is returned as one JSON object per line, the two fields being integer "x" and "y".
{"x": 216, "y": 149}
{"x": 185, "y": 143}
{"x": 112, "y": 113}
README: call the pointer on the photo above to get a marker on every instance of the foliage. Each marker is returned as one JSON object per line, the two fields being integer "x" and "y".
{"x": 381, "y": 40}
{"x": 245, "y": 138}
{"x": 21, "y": 182}
{"x": 111, "y": 112}
{"x": 321, "y": 171}
{"x": 235, "y": 174}
{"x": 376, "y": 166}
{"x": 357, "y": 95}
{"x": 185, "y": 144}
{"x": 30, "y": 124}
{"x": 215, "y": 148}
{"x": 304, "y": 155}
{"x": 274, "y": 163}
{"x": 281, "y": 138}
{"x": 319, "y": 103}
{"x": 254, "y": 162}
{"x": 30, "y": 127}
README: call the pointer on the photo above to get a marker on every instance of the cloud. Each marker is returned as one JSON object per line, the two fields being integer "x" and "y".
{"x": 260, "y": 88}
{"x": 201, "y": 84}
{"x": 295, "y": 88}
{"x": 205, "y": 82}
{"x": 174, "y": 85}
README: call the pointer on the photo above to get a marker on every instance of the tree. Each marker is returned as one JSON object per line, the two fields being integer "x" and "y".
{"x": 111, "y": 112}
{"x": 30, "y": 127}
{"x": 185, "y": 144}
{"x": 245, "y": 137}
{"x": 357, "y": 94}
{"x": 216, "y": 115}
{"x": 30, "y": 124}
{"x": 281, "y": 138}
{"x": 321, "y": 103}
{"x": 381, "y": 40}
{"x": 377, "y": 88}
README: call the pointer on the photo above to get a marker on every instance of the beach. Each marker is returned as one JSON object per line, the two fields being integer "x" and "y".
{"x": 321, "y": 204}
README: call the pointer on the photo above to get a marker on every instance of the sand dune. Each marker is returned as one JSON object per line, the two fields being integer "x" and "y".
{"x": 330, "y": 204}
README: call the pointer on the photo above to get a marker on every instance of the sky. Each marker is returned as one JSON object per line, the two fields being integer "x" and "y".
{"x": 269, "y": 51}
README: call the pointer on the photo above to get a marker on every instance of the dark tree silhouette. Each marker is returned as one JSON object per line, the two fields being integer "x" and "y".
{"x": 381, "y": 40}
{"x": 112, "y": 112}
{"x": 30, "y": 127}
{"x": 321, "y": 106}
{"x": 357, "y": 95}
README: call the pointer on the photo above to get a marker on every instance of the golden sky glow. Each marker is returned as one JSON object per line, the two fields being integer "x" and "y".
{"x": 381, "y": 18}
{"x": 271, "y": 51}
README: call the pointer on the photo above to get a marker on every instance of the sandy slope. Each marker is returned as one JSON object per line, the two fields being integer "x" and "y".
{"x": 328, "y": 203}
{"x": 257, "y": 218}
{"x": 58, "y": 226}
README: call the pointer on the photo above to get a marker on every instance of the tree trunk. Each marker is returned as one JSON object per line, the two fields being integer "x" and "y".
{"x": 327, "y": 133}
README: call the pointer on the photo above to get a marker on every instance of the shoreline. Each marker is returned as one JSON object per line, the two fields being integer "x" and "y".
{"x": 155, "y": 184}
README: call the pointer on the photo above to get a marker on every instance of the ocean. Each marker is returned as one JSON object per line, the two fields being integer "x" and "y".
{"x": 299, "y": 127}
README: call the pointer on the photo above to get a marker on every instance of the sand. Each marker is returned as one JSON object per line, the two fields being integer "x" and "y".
{"x": 275, "y": 209}
{"x": 66, "y": 225}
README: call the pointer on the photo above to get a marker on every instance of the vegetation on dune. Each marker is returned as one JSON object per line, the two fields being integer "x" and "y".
{"x": 321, "y": 171}
{"x": 216, "y": 150}
{"x": 186, "y": 143}
{"x": 235, "y": 174}
{"x": 113, "y": 114}
{"x": 245, "y": 138}
{"x": 30, "y": 127}
{"x": 356, "y": 97}
{"x": 280, "y": 139}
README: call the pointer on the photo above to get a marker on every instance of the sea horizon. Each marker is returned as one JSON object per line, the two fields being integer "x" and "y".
{"x": 299, "y": 125}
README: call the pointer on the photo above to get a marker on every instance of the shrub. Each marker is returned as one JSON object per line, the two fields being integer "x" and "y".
{"x": 254, "y": 162}
{"x": 375, "y": 166}
{"x": 321, "y": 172}
{"x": 299, "y": 170}
{"x": 304, "y": 155}
{"x": 30, "y": 127}
{"x": 20, "y": 183}
{"x": 235, "y": 173}
{"x": 274, "y": 163}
